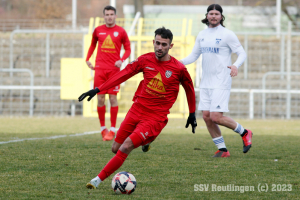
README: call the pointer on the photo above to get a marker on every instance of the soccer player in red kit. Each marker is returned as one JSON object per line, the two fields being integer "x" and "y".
{"x": 110, "y": 38}
{"x": 153, "y": 99}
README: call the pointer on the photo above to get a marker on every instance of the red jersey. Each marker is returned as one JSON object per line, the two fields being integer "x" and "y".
{"x": 110, "y": 41}
{"x": 159, "y": 90}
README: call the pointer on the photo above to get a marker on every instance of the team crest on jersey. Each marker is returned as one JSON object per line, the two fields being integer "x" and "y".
{"x": 218, "y": 41}
{"x": 116, "y": 34}
{"x": 168, "y": 74}
{"x": 202, "y": 40}
{"x": 116, "y": 89}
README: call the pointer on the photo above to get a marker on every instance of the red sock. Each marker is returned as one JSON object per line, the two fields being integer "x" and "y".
{"x": 115, "y": 163}
{"x": 113, "y": 115}
{"x": 101, "y": 115}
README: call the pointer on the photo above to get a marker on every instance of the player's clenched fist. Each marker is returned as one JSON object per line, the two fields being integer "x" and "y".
{"x": 191, "y": 121}
{"x": 90, "y": 93}
{"x": 118, "y": 63}
{"x": 90, "y": 65}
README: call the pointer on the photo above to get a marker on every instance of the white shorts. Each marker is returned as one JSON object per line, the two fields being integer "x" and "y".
{"x": 214, "y": 100}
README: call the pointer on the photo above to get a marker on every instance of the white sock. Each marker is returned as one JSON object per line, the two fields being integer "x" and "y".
{"x": 113, "y": 129}
{"x": 239, "y": 129}
{"x": 219, "y": 142}
{"x": 96, "y": 180}
{"x": 102, "y": 128}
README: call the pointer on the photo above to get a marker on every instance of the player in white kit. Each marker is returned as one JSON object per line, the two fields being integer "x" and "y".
{"x": 216, "y": 43}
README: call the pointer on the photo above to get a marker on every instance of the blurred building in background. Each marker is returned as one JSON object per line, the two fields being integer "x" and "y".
{"x": 255, "y": 22}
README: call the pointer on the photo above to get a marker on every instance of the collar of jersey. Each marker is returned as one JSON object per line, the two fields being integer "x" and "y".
{"x": 110, "y": 27}
{"x": 214, "y": 28}
{"x": 158, "y": 61}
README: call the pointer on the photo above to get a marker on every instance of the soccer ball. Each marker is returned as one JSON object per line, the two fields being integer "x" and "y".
{"x": 123, "y": 183}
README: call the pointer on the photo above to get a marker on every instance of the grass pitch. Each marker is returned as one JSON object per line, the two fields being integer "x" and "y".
{"x": 60, "y": 168}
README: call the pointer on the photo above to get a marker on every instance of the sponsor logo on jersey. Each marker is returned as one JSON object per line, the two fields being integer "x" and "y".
{"x": 116, "y": 89}
{"x": 155, "y": 94}
{"x": 210, "y": 50}
{"x": 108, "y": 43}
{"x": 157, "y": 84}
{"x": 102, "y": 33}
{"x": 143, "y": 135}
{"x": 150, "y": 68}
{"x": 116, "y": 34}
{"x": 168, "y": 74}
{"x": 218, "y": 41}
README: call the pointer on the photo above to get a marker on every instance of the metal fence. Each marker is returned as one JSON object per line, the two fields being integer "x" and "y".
{"x": 30, "y": 53}
{"x": 8, "y": 25}
{"x": 266, "y": 52}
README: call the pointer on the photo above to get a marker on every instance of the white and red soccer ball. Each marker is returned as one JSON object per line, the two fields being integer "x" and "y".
{"x": 123, "y": 183}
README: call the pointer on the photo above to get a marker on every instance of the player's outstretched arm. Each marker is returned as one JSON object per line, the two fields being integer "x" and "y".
{"x": 118, "y": 78}
{"x": 90, "y": 94}
{"x": 191, "y": 121}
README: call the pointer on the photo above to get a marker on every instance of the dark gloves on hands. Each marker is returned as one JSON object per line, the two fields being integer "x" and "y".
{"x": 90, "y": 93}
{"x": 191, "y": 121}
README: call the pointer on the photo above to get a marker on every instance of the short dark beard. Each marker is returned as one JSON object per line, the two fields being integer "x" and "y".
{"x": 215, "y": 25}
{"x": 162, "y": 55}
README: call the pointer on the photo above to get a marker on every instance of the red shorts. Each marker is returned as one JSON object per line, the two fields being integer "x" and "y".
{"x": 139, "y": 128}
{"x": 102, "y": 75}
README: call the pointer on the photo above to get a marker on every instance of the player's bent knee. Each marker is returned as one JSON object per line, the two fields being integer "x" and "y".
{"x": 215, "y": 119}
{"x": 114, "y": 150}
{"x": 127, "y": 146}
{"x": 115, "y": 147}
{"x": 206, "y": 118}
{"x": 206, "y": 115}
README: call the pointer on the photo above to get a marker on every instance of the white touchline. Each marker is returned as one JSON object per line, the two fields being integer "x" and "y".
{"x": 52, "y": 137}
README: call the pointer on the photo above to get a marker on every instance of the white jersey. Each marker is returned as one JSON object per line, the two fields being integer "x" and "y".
{"x": 216, "y": 45}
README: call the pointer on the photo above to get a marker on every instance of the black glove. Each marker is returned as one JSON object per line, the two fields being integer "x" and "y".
{"x": 90, "y": 93}
{"x": 191, "y": 121}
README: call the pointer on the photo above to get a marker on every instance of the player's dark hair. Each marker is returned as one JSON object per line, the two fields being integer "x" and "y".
{"x": 164, "y": 33}
{"x": 109, "y": 8}
{"x": 214, "y": 7}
